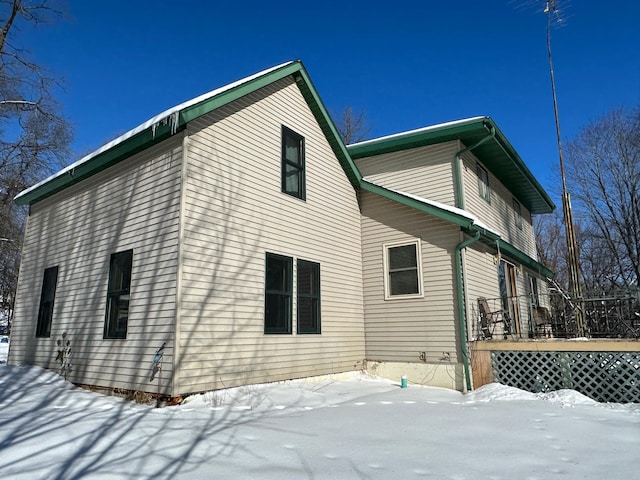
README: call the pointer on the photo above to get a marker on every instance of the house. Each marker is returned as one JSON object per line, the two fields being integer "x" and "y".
{"x": 235, "y": 238}
{"x": 446, "y": 220}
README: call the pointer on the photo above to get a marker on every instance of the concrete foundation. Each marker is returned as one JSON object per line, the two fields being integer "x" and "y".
{"x": 446, "y": 375}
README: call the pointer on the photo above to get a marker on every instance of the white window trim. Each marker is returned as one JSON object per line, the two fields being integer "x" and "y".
{"x": 385, "y": 256}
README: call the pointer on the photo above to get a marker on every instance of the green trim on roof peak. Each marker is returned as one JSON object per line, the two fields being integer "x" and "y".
{"x": 497, "y": 154}
{"x": 163, "y": 129}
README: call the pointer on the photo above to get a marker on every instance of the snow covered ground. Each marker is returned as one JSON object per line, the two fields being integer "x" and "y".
{"x": 353, "y": 428}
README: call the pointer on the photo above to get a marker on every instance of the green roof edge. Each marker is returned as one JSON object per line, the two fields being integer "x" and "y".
{"x": 151, "y": 135}
{"x": 405, "y": 141}
{"x": 410, "y": 139}
{"x": 440, "y": 213}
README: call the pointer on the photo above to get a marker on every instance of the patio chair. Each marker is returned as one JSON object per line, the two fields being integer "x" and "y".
{"x": 542, "y": 319}
{"x": 490, "y": 318}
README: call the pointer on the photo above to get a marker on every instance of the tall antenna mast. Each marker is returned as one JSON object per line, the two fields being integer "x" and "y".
{"x": 575, "y": 287}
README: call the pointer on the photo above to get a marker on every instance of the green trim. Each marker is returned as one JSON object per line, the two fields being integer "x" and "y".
{"x": 413, "y": 139}
{"x": 329, "y": 129}
{"x": 147, "y": 138}
{"x": 441, "y": 213}
{"x": 462, "y": 312}
{"x": 457, "y": 166}
{"x": 496, "y": 154}
{"x": 288, "y": 264}
{"x": 465, "y": 223}
{"x": 524, "y": 259}
{"x": 298, "y": 167}
{"x": 129, "y": 147}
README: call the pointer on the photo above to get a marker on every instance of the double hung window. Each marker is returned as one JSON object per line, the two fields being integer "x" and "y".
{"x": 47, "y": 297}
{"x": 279, "y": 295}
{"x": 517, "y": 211}
{"x": 483, "y": 183}
{"x": 293, "y": 167}
{"x": 118, "y": 293}
{"x": 308, "y": 296}
{"x": 403, "y": 277}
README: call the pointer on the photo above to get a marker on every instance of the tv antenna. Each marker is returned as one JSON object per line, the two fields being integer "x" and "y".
{"x": 573, "y": 263}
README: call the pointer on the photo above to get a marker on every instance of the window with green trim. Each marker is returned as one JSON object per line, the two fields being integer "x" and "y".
{"x": 118, "y": 295}
{"x": 308, "y": 296}
{"x": 47, "y": 297}
{"x": 278, "y": 294}
{"x": 517, "y": 212}
{"x": 293, "y": 168}
{"x": 402, "y": 267}
{"x": 483, "y": 183}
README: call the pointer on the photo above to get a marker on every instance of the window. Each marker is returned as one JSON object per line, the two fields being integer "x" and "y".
{"x": 293, "y": 174}
{"x": 518, "y": 213}
{"x": 402, "y": 270}
{"x": 533, "y": 291}
{"x": 117, "y": 315}
{"x": 308, "y": 297}
{"x": 483, "y": 183}
{"x": 278, "y": 294}
{"x": 47, "y": 296}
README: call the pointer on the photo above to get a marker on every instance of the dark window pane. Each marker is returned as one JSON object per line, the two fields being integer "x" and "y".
{"x": 404, "y": 282}
{"x": 308, "y": 315}
{"x": 308, "y": 288}
{"x": 292, "y": 161}
{"x": 47, "y": 296}
{"x": 292, "y": 180}
{"x": 402, "y": 257}
{"x": 278, "y": 286}
{"x": 117, "y": 315}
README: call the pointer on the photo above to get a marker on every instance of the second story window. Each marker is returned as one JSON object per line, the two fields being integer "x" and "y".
{"x": 517, "y": 211}
{"x": 483, "y": 183}
{"x": 293, "y": 169}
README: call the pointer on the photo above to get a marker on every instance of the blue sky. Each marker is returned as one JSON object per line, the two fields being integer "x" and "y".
{"x": 408, "y": 64}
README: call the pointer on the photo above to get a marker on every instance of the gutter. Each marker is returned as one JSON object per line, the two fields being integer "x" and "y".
{"x": 457, "y": 164}
{"x": 462, "y": 317}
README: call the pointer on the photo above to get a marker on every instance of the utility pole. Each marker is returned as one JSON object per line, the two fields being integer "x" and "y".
{"x": 575, "y": 287}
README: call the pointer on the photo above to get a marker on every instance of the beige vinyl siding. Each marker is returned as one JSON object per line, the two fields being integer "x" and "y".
{"x": 133, "y": 205}
{"x": 481, "y": 280}
{"x": 499, "y": 214}
{"x": 235, "y": 213}
{"x": 425, "y": 171}
{"x": 397, "y": 329}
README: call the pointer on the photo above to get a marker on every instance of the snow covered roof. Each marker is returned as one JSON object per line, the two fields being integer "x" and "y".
{"x": 494, "y": 151}
{"x": 469, "y": 218}
{"x": 429, "y": 129}
{"x": 168, "y": 122}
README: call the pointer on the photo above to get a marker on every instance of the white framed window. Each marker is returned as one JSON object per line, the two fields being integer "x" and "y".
{"x": 402, "y": 270}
